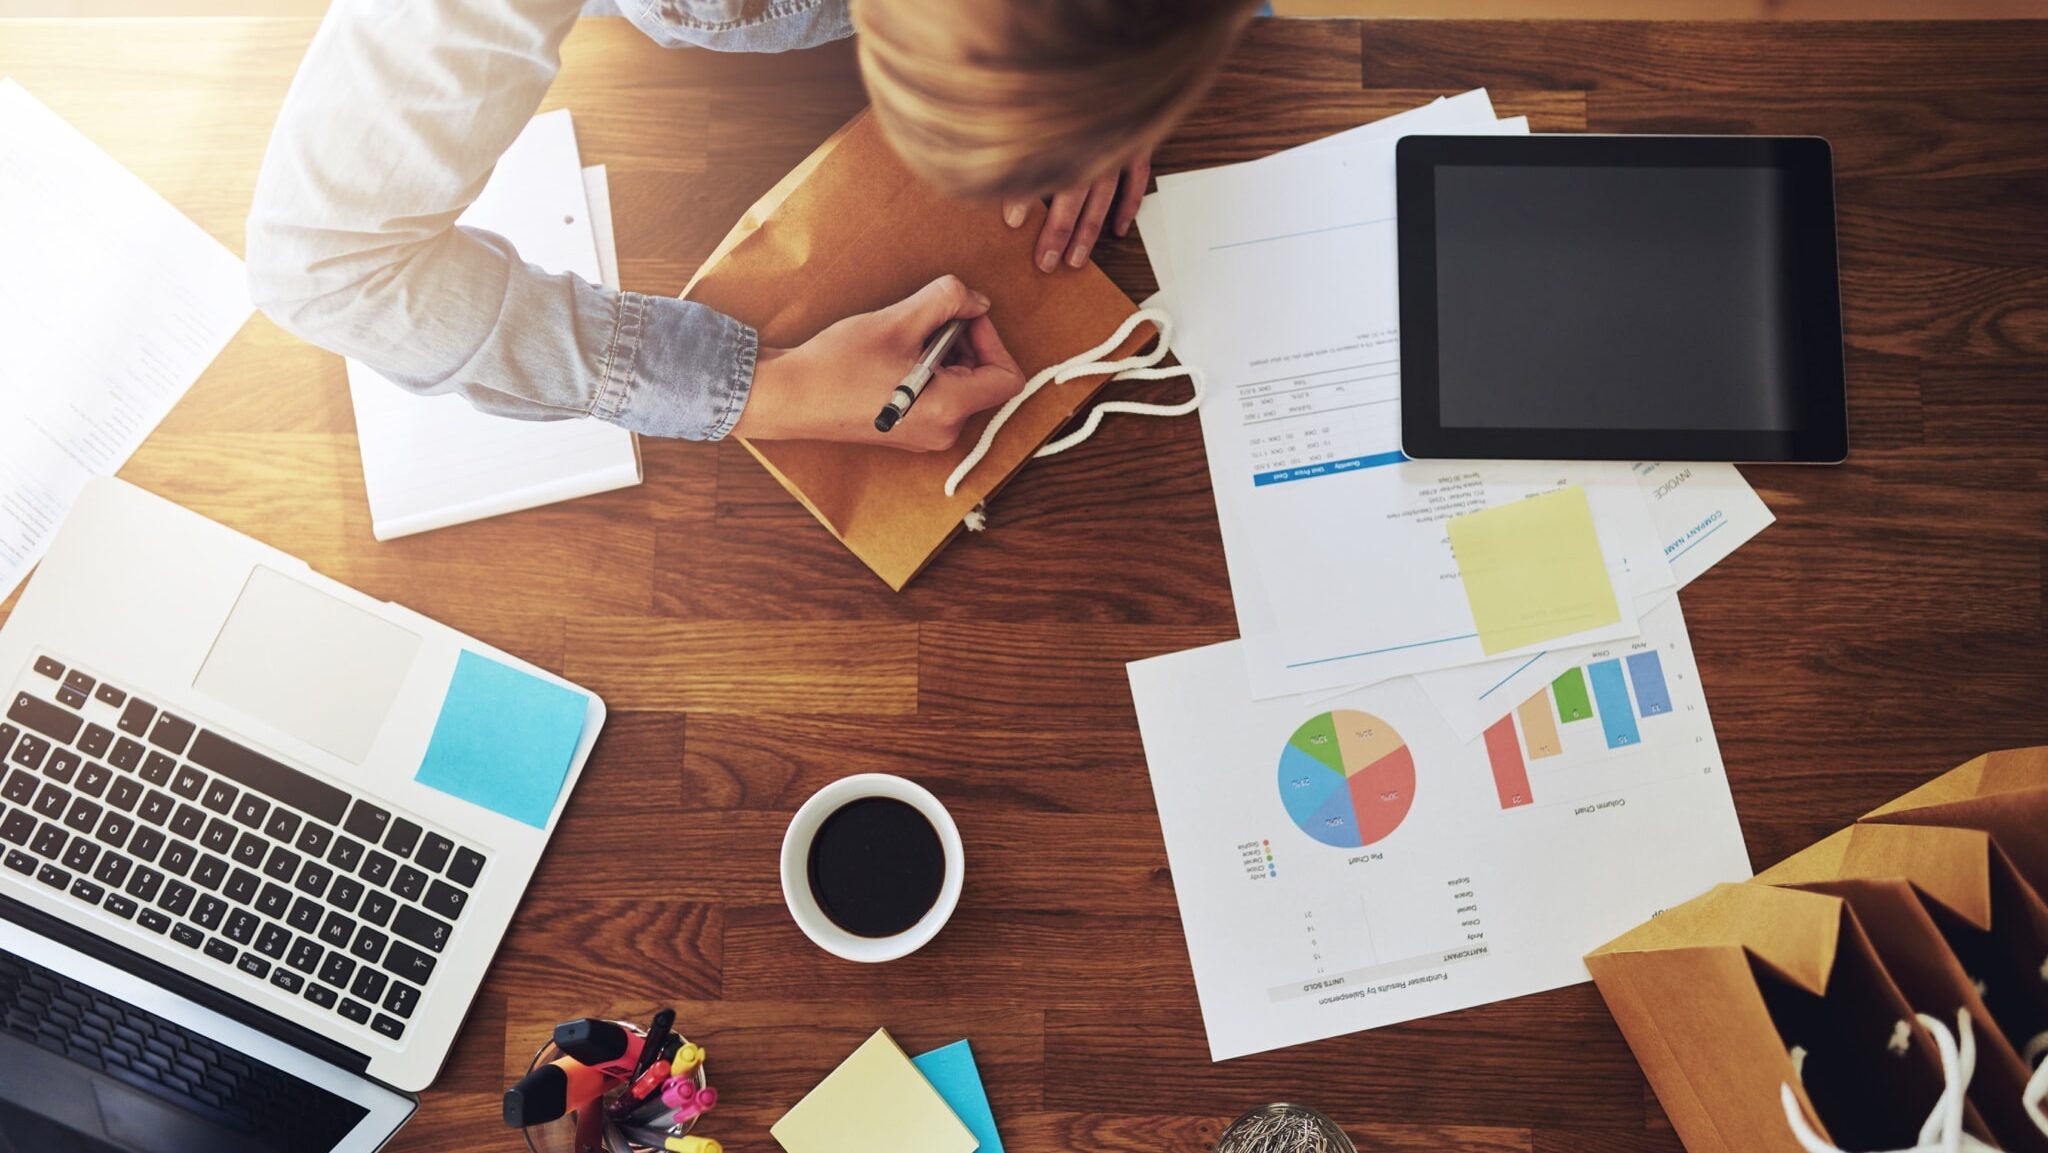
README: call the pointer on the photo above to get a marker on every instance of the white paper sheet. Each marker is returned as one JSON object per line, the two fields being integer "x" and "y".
{"x": 1445, "y": 114}
{"x": 1284, "y": 272}
{"x": 112, "y": 302}
{"x": 429, "y": 462}
{"x": 1389, "y": 870}
{"x": 1702, "y": 512}
{"x": 597, "y": 193}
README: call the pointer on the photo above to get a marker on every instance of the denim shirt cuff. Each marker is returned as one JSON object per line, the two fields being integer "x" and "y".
{"x": 676, "y": 368}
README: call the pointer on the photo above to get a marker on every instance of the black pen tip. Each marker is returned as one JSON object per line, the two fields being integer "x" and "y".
{"x": 886, "y": 420}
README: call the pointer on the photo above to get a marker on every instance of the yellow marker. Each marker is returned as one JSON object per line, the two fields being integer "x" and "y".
{"x": 692, "y": 1145}
{"x": 687, "y": 1059}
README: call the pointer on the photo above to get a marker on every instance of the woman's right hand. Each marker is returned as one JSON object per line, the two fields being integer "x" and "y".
{"x": 831, "y": 386}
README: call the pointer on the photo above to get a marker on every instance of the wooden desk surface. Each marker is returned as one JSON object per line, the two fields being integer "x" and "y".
{"x": 1890, "y": 625}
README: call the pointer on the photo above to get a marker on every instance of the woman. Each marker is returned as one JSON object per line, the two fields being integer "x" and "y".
{"x": 401, "y": 108}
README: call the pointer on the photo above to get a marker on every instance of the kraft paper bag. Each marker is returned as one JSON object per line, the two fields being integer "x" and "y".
{"x": 851, "y": 230}
{"x": 1994, "y": 922}
{"x": 2004, "y": 794}
{"x": 1917, "y": 955}
{"x": 1712, "y": 996}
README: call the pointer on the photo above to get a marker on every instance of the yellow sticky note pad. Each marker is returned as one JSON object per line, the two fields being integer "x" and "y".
{"x": 875, "y": 1102}
{"x": 1533, "y": 571}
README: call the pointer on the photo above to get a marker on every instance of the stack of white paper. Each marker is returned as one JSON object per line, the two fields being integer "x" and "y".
{"x": 111, "y": 304}
{"x": 1283, "y": 273}
{"x": 1465, "y": 828}
{"x": 429, "y": 462}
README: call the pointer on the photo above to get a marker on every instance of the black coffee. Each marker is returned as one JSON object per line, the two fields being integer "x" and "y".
{"x": 876, "y": 866}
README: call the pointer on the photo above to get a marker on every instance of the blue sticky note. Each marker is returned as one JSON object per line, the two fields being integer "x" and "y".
{"x": 952, "y": 1071}
{"x": 504, "y": 739}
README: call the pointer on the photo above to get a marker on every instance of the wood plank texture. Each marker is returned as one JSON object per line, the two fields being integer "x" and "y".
{"x": 1893, "y": 623}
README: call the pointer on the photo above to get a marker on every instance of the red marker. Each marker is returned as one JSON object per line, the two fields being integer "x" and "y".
{"x": 649, "y": 1083}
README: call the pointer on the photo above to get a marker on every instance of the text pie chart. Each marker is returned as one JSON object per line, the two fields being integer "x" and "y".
{"x": 1347, "y": 778}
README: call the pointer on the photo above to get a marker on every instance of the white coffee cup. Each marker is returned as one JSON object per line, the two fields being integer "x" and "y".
{"x": 796, "y": 882}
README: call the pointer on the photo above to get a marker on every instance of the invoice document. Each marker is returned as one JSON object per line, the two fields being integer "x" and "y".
{"x": 112, "y": 302}
{"x": 1342, "y": 864}
{"x": 1284, "y": 273}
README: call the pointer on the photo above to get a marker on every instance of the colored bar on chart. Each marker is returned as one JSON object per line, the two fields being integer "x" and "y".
{"x": 1612, "y": 694}
{"x": 1510, "y": 775}
{"x": 1653, "y": 697}
{"x": 1570, "y": 690}
{"x": 1539, "y": 728}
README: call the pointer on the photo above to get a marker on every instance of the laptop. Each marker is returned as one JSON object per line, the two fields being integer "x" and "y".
{"x": 230, "y": 918}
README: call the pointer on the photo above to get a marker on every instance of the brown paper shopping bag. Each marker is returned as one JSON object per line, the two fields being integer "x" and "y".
{"x": 1917, "y": 955}
{"x": 2004, "y": 794}
{"x": 1994, "y": 922}
{"x": 851, "y": 230}
{"x": 1715, "y": 996}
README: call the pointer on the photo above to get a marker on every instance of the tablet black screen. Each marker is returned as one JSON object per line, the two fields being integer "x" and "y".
{"x": 1620, "y": 297}
{"x": 1613, "y": 298}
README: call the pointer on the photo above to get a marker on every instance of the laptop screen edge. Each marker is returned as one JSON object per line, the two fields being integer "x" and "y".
{"x": 386, "y": 1109}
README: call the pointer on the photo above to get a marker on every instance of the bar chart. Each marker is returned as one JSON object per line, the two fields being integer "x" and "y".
{"x": 1611, "y": 696}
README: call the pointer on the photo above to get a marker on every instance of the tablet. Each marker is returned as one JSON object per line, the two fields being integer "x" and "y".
{"x": 1620, "y": 298}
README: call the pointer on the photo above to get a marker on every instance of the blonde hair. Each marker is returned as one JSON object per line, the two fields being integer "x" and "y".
{"x": 1021, "y": 97}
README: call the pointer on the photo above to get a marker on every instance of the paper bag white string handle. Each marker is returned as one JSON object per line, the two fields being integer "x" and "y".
{"x": 1090, "y": 363}
{"x": 2035, "y": 1095}
{"x": 1942, "y": 1132}
{"x": 2035, "y": 1053}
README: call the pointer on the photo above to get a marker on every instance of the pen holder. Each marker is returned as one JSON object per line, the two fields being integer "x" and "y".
{"x": 1284, "y": 1128}
{"x": 572, "y": 1133}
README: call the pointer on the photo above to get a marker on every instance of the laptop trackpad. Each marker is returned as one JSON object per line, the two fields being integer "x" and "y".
{"x": 314, "y": 666}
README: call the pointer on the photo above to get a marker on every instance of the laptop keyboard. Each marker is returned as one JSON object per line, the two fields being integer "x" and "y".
{"x": 166, "y": 823}
{"x": 82, "y": 1024}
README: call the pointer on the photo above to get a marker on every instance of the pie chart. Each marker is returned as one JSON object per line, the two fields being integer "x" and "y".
{"x": 1347, "y": 778}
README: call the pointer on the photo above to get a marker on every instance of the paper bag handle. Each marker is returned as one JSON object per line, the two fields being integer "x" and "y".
{"x": 1943, "y": 1130}
{"x": 2035, "y": 1095}
{"x": 1090, "y": 363}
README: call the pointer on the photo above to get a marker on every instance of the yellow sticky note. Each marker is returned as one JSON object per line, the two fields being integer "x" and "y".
{"x": 1532, "y": 570}
{"x": 875, "y": 1102}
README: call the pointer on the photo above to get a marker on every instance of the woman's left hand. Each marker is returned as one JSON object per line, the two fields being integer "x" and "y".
{"x": 1077, "y": 215}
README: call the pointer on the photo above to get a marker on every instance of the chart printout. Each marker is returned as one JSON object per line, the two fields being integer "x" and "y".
{"x": 1340, "y": 566}
{"x": 1703, "y": 512}
{"x": 1345, "y": 863}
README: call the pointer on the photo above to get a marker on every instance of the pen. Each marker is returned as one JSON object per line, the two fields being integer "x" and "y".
{"x": 920, "y": 374}
{"x": 657, "y": 1036}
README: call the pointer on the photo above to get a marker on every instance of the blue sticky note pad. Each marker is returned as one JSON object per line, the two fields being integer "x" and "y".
{"x": 504, "y": 739}
{"x": 952, "y": 1071}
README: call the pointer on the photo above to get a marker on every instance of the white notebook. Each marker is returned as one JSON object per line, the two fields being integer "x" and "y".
{"x": 429, "y": 462}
